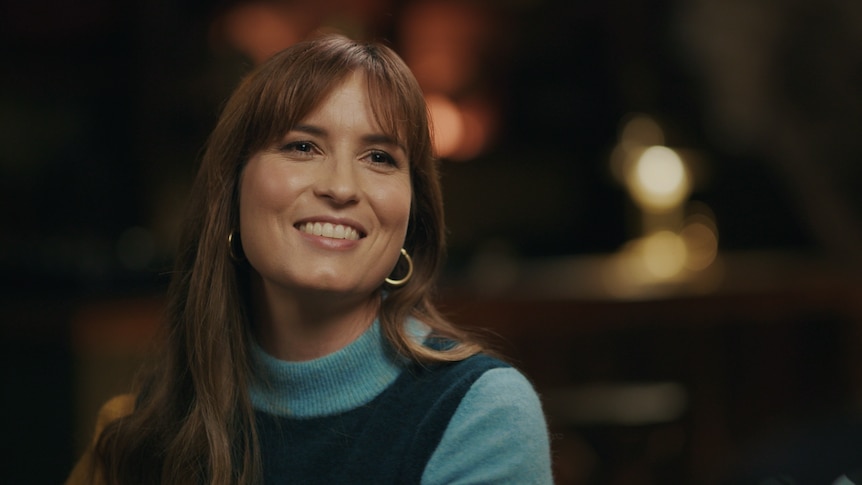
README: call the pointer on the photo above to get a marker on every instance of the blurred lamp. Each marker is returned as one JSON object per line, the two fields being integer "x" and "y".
{"x": 658, "y": 180}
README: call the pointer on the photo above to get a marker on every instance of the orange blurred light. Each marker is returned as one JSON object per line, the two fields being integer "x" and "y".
{"x": 450, "y": 46}
{"x": 447, "y": 125}
{"x": 259, "y": 29}
{"x": 442, "y": 42}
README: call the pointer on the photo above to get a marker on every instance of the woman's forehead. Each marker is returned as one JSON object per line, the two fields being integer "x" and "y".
{"x": 391, "y": 107}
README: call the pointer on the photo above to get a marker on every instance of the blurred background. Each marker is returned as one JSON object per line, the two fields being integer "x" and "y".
{"x": 654, "y": 205}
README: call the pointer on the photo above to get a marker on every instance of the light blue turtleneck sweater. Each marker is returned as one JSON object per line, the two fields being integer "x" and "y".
{"x": 498, "y": 433}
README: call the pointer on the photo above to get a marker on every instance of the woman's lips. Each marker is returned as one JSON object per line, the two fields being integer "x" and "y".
{"x": 330, "y": 230}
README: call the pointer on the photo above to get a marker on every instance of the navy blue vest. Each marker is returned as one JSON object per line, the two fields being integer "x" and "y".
{"x": 387, "y": 441}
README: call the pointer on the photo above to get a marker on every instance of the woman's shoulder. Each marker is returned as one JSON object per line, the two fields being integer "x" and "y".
{"x": 113, "y": 409}
{"x": 502, "y": 389}
{"x": 500, "y": 420}
{"x": 86, "y": 470}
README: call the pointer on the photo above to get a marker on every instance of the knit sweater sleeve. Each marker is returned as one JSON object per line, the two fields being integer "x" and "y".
{"x": 86, "y": 471}
{"x": 498, "y": 435}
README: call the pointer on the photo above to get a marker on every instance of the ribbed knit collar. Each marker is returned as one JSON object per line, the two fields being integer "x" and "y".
{"x": 335, "y": 383}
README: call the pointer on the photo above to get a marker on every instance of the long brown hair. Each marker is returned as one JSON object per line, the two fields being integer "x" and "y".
{"x": 193, "y": 421}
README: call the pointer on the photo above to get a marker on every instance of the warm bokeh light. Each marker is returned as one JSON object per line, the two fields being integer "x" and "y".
{"x": 443, "y": 43}
{"x": 480, "y": 123}
{"x": 459, "y": 131}
{"x": 664, "y": 254}
{"x": 660, "y": 171}
{"x": 640, "y": 131}
{"x": 655, "y": 263}
{"x": 449, "y": 46}
{"x": 260, "y": 29}
{"x": 637, "y": 132}
{"x": 447, "y": 125}
{"x": 658, "y": 179}
{"x": 670, "y": 249}
{"x": 701, "y": 241}
{"x": 643, "y": 263}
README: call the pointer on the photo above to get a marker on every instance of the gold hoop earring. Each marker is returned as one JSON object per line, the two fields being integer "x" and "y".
{"x": 406, "y": 278}
{"x": 235, "y": 253}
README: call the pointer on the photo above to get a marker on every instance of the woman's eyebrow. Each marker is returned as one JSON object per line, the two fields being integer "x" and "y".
{"x": 380, "y": 138}
{"x": 310, "y": 129}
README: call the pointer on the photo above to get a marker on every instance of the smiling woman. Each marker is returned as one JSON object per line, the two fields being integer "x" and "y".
{"x": 334, "y": 174}
{"x": 302, "y": 343}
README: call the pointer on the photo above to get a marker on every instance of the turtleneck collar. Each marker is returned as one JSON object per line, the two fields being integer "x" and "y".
{"x": 332, "y": 384}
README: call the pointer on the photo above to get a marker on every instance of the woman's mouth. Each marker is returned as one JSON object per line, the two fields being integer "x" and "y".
{"x": 327, "y": 229}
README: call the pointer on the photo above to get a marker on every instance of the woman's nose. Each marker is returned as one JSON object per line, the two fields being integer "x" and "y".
{"x": 337, "y": 181}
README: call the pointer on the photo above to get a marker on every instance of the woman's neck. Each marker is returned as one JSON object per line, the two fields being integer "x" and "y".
{"x": 298, "y": 327}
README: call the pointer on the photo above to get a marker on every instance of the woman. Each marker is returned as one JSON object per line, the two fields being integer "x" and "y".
{"x": 302, "y": 345}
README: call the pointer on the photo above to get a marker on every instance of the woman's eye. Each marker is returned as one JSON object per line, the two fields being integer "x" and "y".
{"x": 298, "y": 146}
{"x": 382, "y": 158}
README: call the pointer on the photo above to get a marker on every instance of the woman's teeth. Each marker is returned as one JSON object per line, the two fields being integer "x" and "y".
{"x": 326, "y": 229}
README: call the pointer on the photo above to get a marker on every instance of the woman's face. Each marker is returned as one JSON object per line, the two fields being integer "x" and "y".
{"x": 326, "y": 208}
